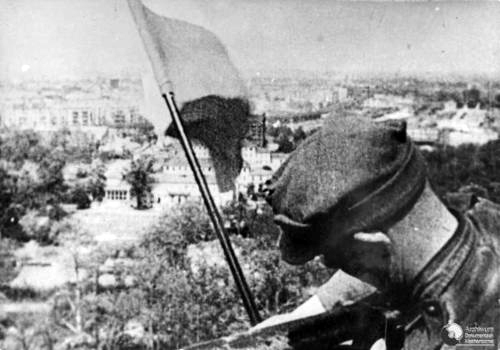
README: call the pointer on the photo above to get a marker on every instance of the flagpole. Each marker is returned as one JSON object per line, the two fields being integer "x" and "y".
{"x": 213, "y": 212}
{"x": 156, "y": 55}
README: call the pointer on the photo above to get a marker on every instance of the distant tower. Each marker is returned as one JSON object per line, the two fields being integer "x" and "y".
{"x": 257, "y": 130}
{"x": 264, "y": 140}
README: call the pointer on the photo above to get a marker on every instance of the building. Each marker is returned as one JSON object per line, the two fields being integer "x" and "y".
{"x": 87, "y": 106}
{"x": 117, "y": 190}
{"x": 259, "y": 166}
{"x": 252, "y": 176}
{"x": 88, "y": 115}
{"x": 175, "y": 183}
{"x": 388, "y": 101}
{"x": 174, "y": 189}
{"x": 257, "y": 130}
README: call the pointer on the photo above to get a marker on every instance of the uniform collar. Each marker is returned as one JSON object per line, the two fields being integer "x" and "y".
{"x": 444, "y": 267}
{"x": 425, "y": 304}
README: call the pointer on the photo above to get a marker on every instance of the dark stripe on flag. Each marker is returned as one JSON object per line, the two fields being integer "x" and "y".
{"x": 220, "y": 124}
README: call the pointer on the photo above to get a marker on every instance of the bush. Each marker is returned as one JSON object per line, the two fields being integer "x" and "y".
{"x": 37, "y": 227}
{"x": 140, "y": 178}
{"x": 451, "y": 168}
{"x": 28, "y": 331}
{"x": 178, "y": 305}
{"x": 80, "y": 198}
{"x": 7, "y": 260}
{"x": 46, "y": 230}
{"x": 176, "y": 230}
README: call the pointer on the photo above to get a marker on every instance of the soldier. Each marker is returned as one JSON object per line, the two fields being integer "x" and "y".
{"x": 357, "y": 194}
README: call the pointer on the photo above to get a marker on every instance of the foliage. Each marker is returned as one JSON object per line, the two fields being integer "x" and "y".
{"x": 77, "y": 146}
{"x": 451, "y": 168}
{"x": 143, "y": 133}
{"x": 175, "y": 303}
{"x": 29, "y": 332}
{"x": 109, "y": 155}
{"x": 140, "y": 178}
{"x": 285, "y": 145}
{"x": 31, "y": 177}
{"x": 51, "y": 186}
{"x": 97, "y": 181}
{"x": 90, "y": 181}
{"x": 286, "y": 138}
{"x": 44, "y": 229}
{"x": 36, "y": 227}
{"x": 7, "y": 259}
{"x": 174, "y": 231}
{"x": 80, "y": 198}
{"x": 7, "y": 187}
{"x": 19, "y": 146}
{"x": 179, "y": 305}
{"x": 298, "y": 135}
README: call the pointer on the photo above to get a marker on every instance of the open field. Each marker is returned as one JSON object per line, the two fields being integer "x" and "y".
{"x": 116, "y": 223}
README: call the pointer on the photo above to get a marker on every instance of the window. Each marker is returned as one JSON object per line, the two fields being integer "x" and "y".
{"x": 85, "y": 118}
{"x": 102, "y": 119}
{"x": 75, "y": 118}
{"x": 119, "y": 118}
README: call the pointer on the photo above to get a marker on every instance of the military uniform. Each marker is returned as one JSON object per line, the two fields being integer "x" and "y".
{"x": 461, "y": 284}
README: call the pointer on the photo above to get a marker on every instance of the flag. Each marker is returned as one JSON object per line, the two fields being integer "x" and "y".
{"x": 192, "y": 62}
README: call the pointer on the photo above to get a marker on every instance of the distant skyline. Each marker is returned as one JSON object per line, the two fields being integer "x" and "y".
{"x": 78, "y": 38}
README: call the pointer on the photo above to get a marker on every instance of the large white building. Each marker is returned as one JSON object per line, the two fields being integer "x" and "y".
{"x": 85, "y": 106}
{"x": 84, "y": 115}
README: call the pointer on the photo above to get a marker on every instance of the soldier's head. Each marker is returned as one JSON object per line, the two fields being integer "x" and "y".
{"x": 351, "y": 176}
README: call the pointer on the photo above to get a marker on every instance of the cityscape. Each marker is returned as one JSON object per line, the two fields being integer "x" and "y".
{"x": 106, "y": 122}
{"x": 107, "y": 111}
{"x": 105, "y": 242}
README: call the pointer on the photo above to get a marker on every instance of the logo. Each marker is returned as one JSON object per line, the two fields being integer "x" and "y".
{"x": 452, "y": 334}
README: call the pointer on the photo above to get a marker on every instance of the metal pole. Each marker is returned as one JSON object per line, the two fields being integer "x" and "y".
{"x": 215, "y": 217}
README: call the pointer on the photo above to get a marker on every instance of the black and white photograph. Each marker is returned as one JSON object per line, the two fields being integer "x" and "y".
{"x": 249, "y": 174}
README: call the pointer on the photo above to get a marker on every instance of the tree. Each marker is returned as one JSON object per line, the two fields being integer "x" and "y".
{"x": 298, "y": 135}
{"x": 51, "y": 187}
{"x": 92, "y": 179}
{"x": 97, "y": 181}
{"x": 497, "y": 101}
{"x": 450, "y": 168}
{"x": 284, "y": 144}
{"x": 251, "y": 191}
{"x": 143, "y": 132}
{"x": 7, "y": 192}
{"x": 140, "y": 179}
{"x": 80, "y": 198}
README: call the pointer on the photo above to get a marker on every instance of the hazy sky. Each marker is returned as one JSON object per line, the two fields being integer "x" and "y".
{"x": 61, "y": 38}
